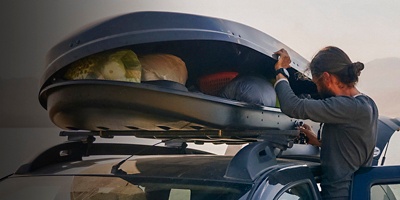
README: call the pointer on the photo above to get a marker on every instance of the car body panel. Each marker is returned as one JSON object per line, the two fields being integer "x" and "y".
{"x": 386, "y": 128}
{"x": 367, "y": 177}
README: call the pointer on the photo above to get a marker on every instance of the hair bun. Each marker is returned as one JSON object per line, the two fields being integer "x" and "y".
{"x": 358, "y": 67}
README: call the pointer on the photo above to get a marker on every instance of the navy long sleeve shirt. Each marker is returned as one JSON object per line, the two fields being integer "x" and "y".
{"x": 348, "y": 136}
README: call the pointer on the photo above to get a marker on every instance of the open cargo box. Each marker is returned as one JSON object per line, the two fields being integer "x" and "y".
{"x": 207, "y": 45}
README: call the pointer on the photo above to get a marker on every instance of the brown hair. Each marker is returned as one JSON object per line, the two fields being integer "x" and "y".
{"x": 335, "y": 61}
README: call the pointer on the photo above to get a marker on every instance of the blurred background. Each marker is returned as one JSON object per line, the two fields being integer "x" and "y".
{"x": 367, "y": 30}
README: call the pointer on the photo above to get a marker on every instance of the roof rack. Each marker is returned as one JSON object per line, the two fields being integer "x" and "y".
{"x": 78, "y": 147}
{"x": 195, "y": 136}
{"x": 81, "y": 143}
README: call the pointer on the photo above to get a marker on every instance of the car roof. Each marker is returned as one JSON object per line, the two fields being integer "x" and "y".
{"x": 193, "y": 167}
{"x": 187, "y": 166}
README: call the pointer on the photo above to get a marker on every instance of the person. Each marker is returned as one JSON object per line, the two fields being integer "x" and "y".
{"x": 349, "y": 117}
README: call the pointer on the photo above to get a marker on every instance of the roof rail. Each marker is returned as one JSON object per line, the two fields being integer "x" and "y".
{"x": 78, "y": 148}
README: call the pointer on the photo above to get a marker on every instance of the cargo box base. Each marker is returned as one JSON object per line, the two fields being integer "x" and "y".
{"x": 111, "y": 105}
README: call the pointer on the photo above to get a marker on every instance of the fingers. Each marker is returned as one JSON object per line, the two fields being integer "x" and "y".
{"x": 306, "y": 126}
{"x": 281, "y": 51}
{"x": 306, "y": 129}
{"x": 312, "y": 138}
{"x": 283, "y": 60}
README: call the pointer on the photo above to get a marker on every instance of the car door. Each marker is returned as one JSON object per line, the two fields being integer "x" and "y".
{"x": 380, "y": 183}
{"x": 386, "y": 128}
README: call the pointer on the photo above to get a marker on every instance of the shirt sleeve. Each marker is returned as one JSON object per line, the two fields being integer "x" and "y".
{"x": 337, "y": 109}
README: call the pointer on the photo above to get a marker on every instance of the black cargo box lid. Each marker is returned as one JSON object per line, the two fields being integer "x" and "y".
{"x": 205, "y": 44}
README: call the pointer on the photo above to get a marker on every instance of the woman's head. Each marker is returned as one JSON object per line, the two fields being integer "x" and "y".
{"x": 336, "y": 62}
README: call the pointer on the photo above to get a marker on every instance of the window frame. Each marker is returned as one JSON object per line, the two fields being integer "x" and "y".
{"x": 274, "y": 183}
{"x": 297, "y": 183}
{"x": 366, "y": 177}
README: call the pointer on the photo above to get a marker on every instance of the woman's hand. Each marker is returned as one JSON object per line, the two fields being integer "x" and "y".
{"x": 312, "y": 138}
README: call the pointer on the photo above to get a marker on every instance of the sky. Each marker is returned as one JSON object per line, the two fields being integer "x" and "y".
{"x": 366, "y": 30}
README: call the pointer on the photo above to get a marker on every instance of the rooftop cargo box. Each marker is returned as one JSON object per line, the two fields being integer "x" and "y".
{"x": 206, "y": 45}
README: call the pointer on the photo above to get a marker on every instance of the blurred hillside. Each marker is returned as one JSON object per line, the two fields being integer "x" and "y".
{"x": 380, "y": 79}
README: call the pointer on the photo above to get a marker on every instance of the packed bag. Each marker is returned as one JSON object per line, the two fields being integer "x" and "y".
{"x": 163, "y": 67}
{"x": 121, "y": 65}
{"x": 250, "y": 89}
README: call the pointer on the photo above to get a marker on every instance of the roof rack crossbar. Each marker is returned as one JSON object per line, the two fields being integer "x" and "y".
{"x": 215, "y": 135}
{"x": 75, "y": 150}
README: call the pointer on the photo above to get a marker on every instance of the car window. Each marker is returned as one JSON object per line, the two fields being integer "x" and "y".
{"x": 301, "y": 191}
{"x": 385, "y": 192}
{"x": 98, "y": 187}
{"x": 187, "y": 191}
{"x": 36, "y": 188}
